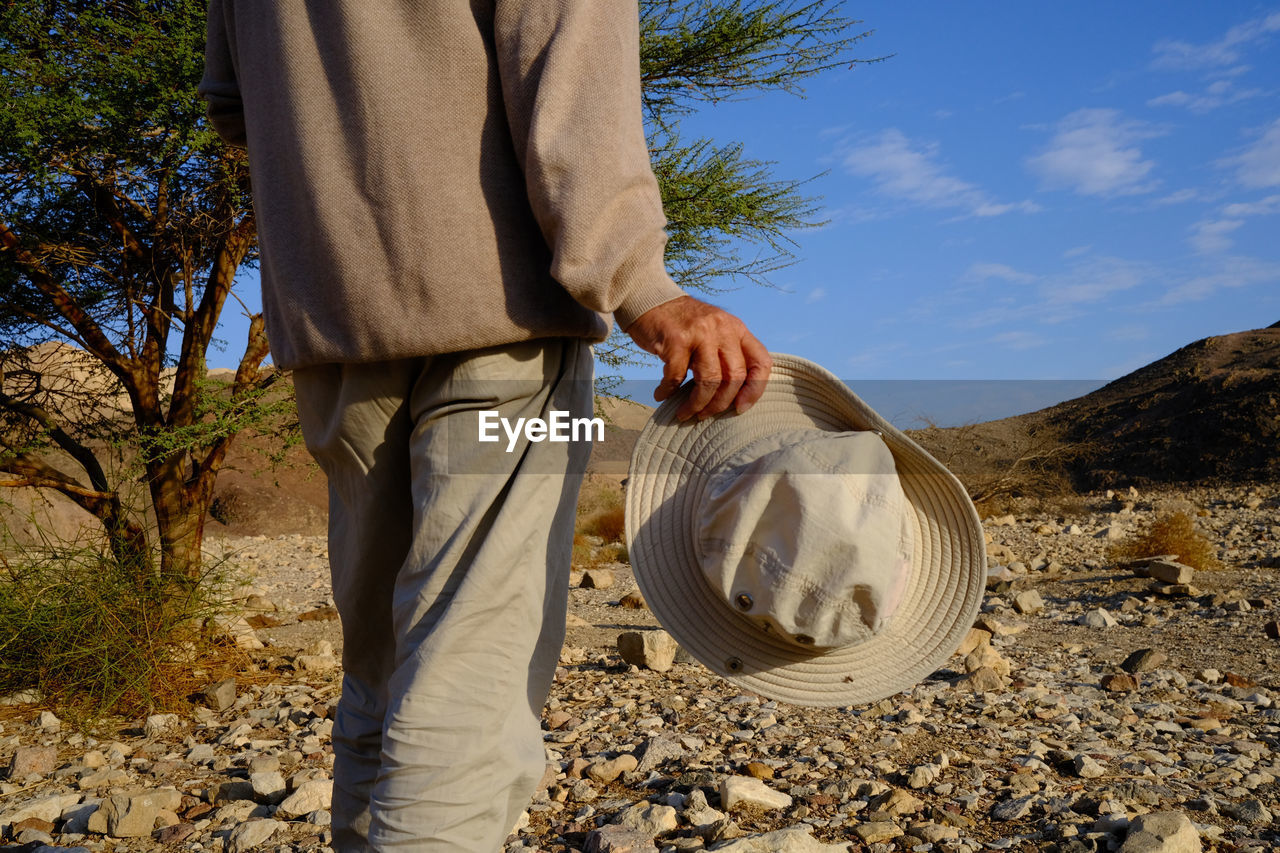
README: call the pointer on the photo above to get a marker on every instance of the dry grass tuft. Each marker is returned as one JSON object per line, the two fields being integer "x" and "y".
{"x": 1172, "y": 533}
{"x": 609, "y": 524}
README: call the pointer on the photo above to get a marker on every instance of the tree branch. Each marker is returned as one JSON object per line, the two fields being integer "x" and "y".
{"x": 90, "y": 332}
{"x": 77, "y": 451}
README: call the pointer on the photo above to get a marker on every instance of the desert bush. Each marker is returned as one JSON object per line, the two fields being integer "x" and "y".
{"x": 609, "y": 524}
{"x": 1171, "y": 533}
{"x": 93, "y": 636}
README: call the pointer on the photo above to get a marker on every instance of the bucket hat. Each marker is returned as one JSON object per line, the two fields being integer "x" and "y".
{"x": 807, "y": 549}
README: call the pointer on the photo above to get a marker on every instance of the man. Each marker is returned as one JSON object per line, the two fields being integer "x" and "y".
{"x": 450, "y": 197}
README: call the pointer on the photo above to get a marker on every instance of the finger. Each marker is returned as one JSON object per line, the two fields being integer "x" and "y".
{"x": 706, "y": 379}
{"x": 674, "y": 367}
{"x": 759, "y": 365}
{"x": 733, "y": 370}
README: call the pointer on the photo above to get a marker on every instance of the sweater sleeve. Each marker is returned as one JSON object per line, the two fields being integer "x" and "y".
{"x": 570, "y": 72}
{"x": 220, "y": 85}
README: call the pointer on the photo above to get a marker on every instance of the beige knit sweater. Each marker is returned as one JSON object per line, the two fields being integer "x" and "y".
{"x": 440, "y": 175}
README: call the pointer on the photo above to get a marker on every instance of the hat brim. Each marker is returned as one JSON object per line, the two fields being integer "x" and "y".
{"x": 671, "y": 466}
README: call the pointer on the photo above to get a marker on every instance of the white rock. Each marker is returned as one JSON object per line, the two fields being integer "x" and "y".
{"x": 46, "y": 808}
{"x": 1098, "y": 618}
{"x": 309, "y": 797}
{"x": 648, "y": 819}
{"x": 268, "y": 786}
{"x": 251, "y": 834}
{"x": 793, "y": 839}
{"x": 158, "y": 724}
{"x": 1162, "y": 832}
{"x": 751, "y": 791}
{"x": 655, "y": 650}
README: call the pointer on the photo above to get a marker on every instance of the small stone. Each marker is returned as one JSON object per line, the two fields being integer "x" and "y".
{"x": 793, "y": 839}
{"x": 609, "y": 769}
{"x": 876, "y": 831}
{"x": 220, "y": 695}
{"x": 612, "y": 838}
{"x": 745, "y": 790}
{"x": 252, "y": 833}
{"x": 633, "y": 600}
{"x": 158, "y": 724}
{"x": 986, "y": 657}
{"x": 1098, "y": 618}
{"x": 320, "y": 614}
{"x": 984, "y": 680}
{"x": 316, "y": 663}
{"x": 175, "y": 834}
{"x": 1272, "y": 629}
{"x": 45, "y": 826}
{"x": 896, "y": 802}
{"x": 932, "y": 833}
{"x": 49, "y": 722}
{"x": 596, "y": 579}
{"x": 126, "y": 816}
{"x": 1087, "y": 767}
{"x": 1170, "y": 571}
{"x": 758, "y": 770}
{"x": 308, "y": 797}
{"x": 975, "y": 638}
{"x": 658, "y": 751}
{"x": 1119, "y": 682}
{"x": 648, "y": 819}
{"x": 32, "y": 761}
{"x": 268, "y": 786}
{"x": 1248, "y": 811}
{"x": 1028, "y": 602}
{"x": 1144, "y": 660}
{"x": 1162, "y": 832}
{"x": 1014, "y": 809}
{"x": 655, "y": 650}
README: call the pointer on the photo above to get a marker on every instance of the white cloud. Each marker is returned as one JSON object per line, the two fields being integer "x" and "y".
{"x": 1209, "y": 236}
{"x": 1094, "y": 153}
{"x": 1004, "y": 272}
{"x": 1093, "y": 281}
{"x": 1217, "y": 94}
{"x": 1077, "y": 251}
{"x": 908, "y": 170}
{"x": 815, "y": 295}
{"x": 1178, "y": 197}
{"x": 1174, "y": 55}
{"x": 1258, "y": 165}
{"x": 1262, "y": 207}
{"x": 1233, "y": 272}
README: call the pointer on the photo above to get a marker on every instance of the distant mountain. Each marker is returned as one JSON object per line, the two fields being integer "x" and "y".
{"x": 1210, "y": 411}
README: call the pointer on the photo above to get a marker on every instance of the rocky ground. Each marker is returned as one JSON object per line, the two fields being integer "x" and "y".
{"x": 1094, "y": 708}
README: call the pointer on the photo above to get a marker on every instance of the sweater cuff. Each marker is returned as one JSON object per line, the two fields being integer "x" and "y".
{"x": 658, "y": 288}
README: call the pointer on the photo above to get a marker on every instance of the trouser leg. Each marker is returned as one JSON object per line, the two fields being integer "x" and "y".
{"x": 477, "y": 596}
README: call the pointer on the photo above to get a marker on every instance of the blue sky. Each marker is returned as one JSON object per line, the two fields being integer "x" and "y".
{"x": 1024, "y": 190}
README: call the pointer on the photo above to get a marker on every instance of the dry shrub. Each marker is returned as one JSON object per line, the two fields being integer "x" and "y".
{"x": 609, "y": 524}
{"x": 93, "y": 636}
{"x": 1172, "y": 533}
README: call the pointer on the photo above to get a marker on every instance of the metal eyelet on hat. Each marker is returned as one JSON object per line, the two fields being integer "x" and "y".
{"x": 733, "y": 665}
{"x": 804, "y": 639}
{"x": 744, "y": 601}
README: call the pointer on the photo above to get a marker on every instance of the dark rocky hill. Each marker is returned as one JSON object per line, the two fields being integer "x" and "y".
{"x": 1208, "y": 412}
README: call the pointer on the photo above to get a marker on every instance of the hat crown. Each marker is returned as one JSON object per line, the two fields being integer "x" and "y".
{"x": 808, "y": 534}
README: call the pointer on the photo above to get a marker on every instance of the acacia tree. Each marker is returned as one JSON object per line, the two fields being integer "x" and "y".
{"x": 123, "y": 223}
{"x": 122, "y": 226}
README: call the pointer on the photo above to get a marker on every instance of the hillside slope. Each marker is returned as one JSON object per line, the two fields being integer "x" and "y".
{"x": 1208, "y": 412}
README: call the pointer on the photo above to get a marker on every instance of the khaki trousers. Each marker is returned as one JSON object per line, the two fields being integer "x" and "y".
{"x": 450, "y": 561}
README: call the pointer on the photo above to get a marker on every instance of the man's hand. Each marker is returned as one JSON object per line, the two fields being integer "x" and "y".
{"x": 729, "y": 365}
